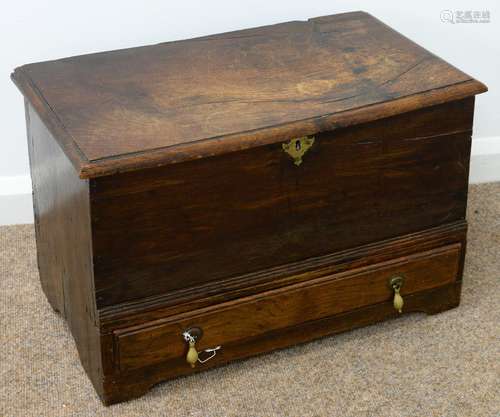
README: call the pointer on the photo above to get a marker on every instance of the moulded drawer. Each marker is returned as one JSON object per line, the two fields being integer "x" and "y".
{"x": 238, "y": 321}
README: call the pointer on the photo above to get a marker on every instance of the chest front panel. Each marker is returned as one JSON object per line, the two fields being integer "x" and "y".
{"x": 188, "y": 224}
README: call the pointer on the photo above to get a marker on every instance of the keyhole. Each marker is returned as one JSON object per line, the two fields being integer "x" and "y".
{"x": 297, "y": 145}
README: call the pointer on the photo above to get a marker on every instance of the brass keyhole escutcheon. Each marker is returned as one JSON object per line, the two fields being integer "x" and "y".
{"x": 396, "y": 283}
{"x": 297, "y": 148}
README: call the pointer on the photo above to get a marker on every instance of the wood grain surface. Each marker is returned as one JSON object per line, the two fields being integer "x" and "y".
{"x": 157, "y": 308}
{"x": 64, "y": 244}
{"x": 252, "y": 316}
{"x": 176, "y": 101}
{"x": 163, "y": 197}
{"x": 184, "y": 225}
{"x": 137, "y": 382}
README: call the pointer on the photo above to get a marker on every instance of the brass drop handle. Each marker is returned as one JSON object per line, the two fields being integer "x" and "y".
{"x": 396, "y": 283}
{"x": 193, "y": 356}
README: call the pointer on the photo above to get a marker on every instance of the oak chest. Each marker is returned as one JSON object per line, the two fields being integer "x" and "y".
{"x": 206, "y": 200}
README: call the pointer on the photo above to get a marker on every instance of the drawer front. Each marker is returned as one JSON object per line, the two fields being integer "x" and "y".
{"x": 188, "y": 224}
{"x": 240, "y": 320}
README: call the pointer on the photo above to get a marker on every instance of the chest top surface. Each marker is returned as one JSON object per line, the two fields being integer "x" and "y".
{"x": 182, "y": 100}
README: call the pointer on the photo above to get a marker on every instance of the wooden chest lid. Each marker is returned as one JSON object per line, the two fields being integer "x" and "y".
{"x": 176, "y": 101}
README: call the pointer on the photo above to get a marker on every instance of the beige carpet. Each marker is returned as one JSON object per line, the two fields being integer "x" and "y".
{"x": 443, "y": 365}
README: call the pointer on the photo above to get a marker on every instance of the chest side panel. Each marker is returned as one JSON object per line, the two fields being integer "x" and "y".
{"x": 63, "y": 238}
{"x": 179, "y": 226}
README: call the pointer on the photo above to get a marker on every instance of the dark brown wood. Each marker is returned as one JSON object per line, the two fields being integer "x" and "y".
{"x": 183, "y": 100}
{"x": 155, "y": 230}
{"x": 64, "y": 244}
{"x": 248, "y": 317}
{"x": 137, "y": 383}
{"x": 175, "y": 302}
{"x": 164, "y": 200}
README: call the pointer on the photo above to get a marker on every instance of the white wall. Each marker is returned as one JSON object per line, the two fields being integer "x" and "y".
{"x": 37, "y": 30}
